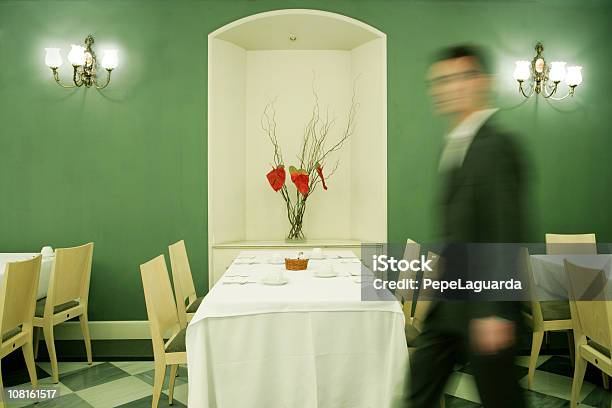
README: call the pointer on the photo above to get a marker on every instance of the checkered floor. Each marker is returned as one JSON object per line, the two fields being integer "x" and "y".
{"x": 130, "y": 384}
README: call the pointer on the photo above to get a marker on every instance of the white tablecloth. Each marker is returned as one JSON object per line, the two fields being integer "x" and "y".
{"x": 550, "y": 276}
{"x": 45, "y": 269}
{"x": 309, "y": 343}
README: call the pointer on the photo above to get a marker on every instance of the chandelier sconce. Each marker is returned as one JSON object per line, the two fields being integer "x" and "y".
{"x": 540, "y": 77}
{"x": 84, "y": 63}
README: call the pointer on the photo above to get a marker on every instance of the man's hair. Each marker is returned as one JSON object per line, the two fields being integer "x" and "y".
{"x": 465, "y": 50}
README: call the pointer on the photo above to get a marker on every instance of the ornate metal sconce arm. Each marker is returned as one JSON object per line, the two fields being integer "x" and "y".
{"x": 569, "y": 93}
{"x": 522, "y": 91}
{"x": 57, "y": 80}
{"x": 553, "y": 90}
{"x": 108, "y": 79}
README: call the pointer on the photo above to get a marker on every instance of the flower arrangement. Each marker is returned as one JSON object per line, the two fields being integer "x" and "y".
{"x": 312, "y": 160}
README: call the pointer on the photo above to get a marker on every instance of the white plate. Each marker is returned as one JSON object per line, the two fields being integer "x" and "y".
{"x": 314, "y": 256}
{"x": 273, "y": 283}
{"x": 327, "y": 275}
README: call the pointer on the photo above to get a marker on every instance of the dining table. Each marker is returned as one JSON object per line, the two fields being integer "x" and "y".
{"x": 300, "y": 341}
{"x": 45, "y": 268}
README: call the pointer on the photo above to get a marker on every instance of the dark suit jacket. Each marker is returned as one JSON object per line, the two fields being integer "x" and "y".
{"x": 481, "y": 202}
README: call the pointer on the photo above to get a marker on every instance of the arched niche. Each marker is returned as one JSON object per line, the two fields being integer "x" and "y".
{"x": 252, "y": 61}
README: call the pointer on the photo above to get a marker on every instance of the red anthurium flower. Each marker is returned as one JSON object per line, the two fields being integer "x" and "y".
{"x": 276, "y": 177}
{"x": 300, "y": 179}
{"x": 320, "y": 172}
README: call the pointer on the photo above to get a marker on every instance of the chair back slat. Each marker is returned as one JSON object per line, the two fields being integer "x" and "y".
{"x": 589, "y": 293}
{"x": 526, "y": 271}
{"x": 70, "y": 275}
{"x": 161, "y": 308}
{"x": 406, "y": 296}
{"x": 422, "y": 306}
{"x": 571, "y": 244}
{"x": 181, "y": 272}
{"x": 18, "y": 293}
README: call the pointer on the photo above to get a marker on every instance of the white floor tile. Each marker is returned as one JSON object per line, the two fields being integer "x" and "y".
{"x": 181, "y": 393}
{"x": 556, "y": 385}
{"x": 66, "y": 367}
{"x": 116, "y": 392}
{"x": 134, "y": 367}
{"x": 462, "y": 385}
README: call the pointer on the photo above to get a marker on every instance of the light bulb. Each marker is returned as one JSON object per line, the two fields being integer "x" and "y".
{"x": 110, "y": 59}
{"x": 574, "y": 76}
{"x": 53, "y": 59}
{"x": 76, "y": 56}
{"x": 557, "y": 71}
{"x": 521, "y": 71}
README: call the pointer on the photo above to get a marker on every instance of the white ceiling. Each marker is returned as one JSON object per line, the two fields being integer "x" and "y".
{"x": 313, "y": 31}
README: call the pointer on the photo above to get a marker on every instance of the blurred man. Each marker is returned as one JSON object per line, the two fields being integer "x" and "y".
{"x": 480, "y": 203}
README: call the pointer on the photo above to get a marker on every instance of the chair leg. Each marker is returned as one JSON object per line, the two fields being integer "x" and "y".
{"x": 606, "y": 380}
{"x": 579, "y": 370}
{"x": 572, "y": 346}
{"x": 536, "y": 344}
{"x": 158, "y": 383}
{"x": 49, "y": 341}
{"x": 85, "y": 329}
{"x": 28, "y": 356}
{"x": 1, "y": 387}
{"x": 36, "y": 340}
{"x": 173, "y": 371}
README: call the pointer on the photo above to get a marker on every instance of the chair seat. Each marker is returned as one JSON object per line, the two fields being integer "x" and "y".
{"x": 556, "y": 310}
{"x": 177, "y": 345}
{"x": 411, "y": 335}
{"x": 11, "y": 333}
{"x": 192, "y": 308}
{"x": 551, "y": 309}
{"x": 40, "y": 307}
{"x": 599, "y": 347}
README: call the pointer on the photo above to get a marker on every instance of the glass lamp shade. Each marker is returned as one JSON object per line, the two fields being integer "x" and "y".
{"x": 557, "y": 71}
{"x": 53, "y": 59}
{"x": 76, "y": 56}
{"x": 574, "y": 76}
{"x": 521, "y": 71}
{"x": 110, "y": 59}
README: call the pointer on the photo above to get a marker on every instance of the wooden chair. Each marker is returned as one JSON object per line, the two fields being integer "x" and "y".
{"x": 414, "y": 324}
{"x": 187, "y": 302}
{"x": 67, "y": 298}
{"x": 553, "y": 315}
{"x": 592, "y": 323}
{"x": 571, "y": 244}
{"x": 18, "y": 294}
{"x": 163, "y": 318}
{"x": 406, "y": 296}
{"x": 422, "y": 306}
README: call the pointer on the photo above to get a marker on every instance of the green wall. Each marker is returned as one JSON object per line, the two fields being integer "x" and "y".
{"x": 126, "y": 168}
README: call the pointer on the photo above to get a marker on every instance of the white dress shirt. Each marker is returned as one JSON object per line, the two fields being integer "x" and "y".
{"x": 460, "y": 138}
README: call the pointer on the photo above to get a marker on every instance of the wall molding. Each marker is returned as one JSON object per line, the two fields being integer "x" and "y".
{"x": 105, "y": 330}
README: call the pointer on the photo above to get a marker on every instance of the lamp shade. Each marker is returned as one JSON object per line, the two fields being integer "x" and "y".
{"x": 574, "y": 76}
{"x": 53, "y": 59}
{"x": 557, "y": 71}
{"x": 76, "y": 56}
{"x": 521, "y": 71}
{"x": 110, "y": 59}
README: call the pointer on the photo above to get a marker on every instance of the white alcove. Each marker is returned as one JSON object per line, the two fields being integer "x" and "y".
{"x": 252, "y": 61}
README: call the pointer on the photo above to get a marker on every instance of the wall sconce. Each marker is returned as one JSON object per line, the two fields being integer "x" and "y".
{"x": 84, "y": 63}
{"x": 544, "y": 77}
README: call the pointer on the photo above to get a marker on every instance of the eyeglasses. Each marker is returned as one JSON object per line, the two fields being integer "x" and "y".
{"x": 445, "y": 79}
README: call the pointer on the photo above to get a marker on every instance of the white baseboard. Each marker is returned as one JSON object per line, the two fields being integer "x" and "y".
{"x": 105, "y": 330}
